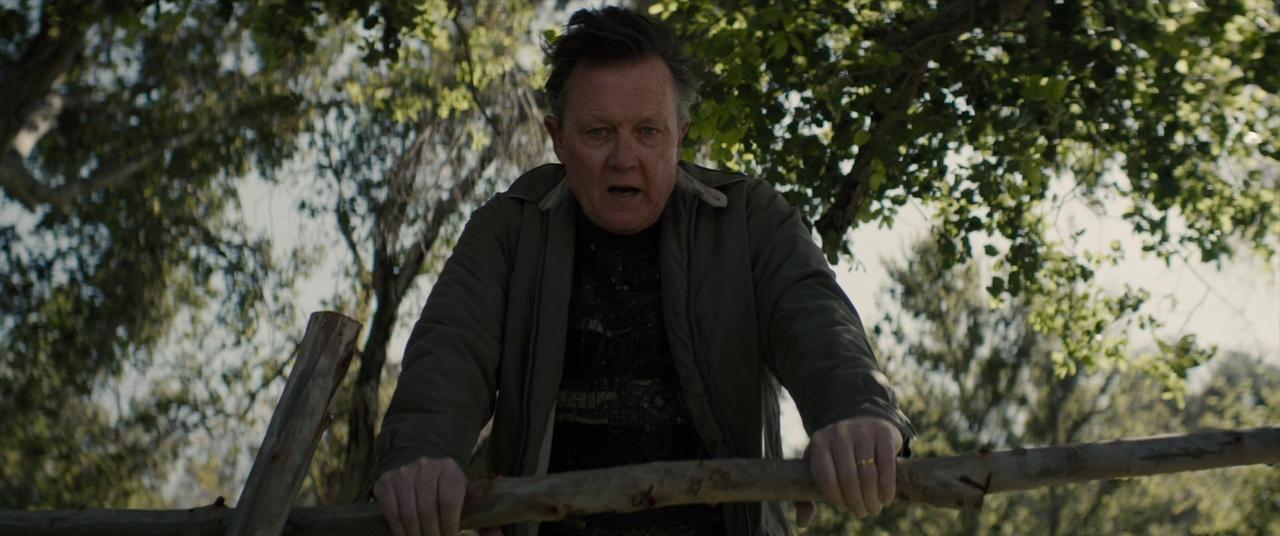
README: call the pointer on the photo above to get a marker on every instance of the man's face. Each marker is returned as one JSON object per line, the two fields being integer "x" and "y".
{"x": 619, "y": 141}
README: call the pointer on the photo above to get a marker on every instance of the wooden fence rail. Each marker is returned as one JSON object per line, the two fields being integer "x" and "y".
{"x": 954, "y": 482}
{"x": 301, "y": 416}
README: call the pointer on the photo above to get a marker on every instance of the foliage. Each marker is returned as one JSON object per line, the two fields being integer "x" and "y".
{"x": 402, "y": 152}
{"x": 130, "y": 129}
{"x": 974, "y": 377}
{"x": 970, "y": 107}
{"x": 122, "y": 198}
{"x": 127, "y": 128}
{"x": 42, "y": 468}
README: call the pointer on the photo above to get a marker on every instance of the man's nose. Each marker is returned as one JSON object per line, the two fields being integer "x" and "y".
{"x": 625, "y": 153}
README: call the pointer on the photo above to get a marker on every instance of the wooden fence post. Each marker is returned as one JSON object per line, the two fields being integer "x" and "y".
{"x": 300, "y": 418}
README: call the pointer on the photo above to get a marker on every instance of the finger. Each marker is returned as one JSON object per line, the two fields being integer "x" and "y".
{"x": 385, "y": 493}
{"x": 804, "y": 513}
{"x": 428, "y": 511}
{"x": 824, "y": 475}
{"x": 452, "y": 489}
{"x": 406, "y": 498}
{"x": 864, "y": 448}
{"x": 847, "y": 474}
{"x": 887, "y": 462}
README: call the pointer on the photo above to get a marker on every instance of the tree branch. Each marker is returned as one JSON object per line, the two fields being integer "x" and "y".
{"x": 50, "y": 53}
{"x": 392, "y": 280}
{"x": 343, "y": 215}
{"x": 20, "y": 184}
{"x": 920, "y": 43}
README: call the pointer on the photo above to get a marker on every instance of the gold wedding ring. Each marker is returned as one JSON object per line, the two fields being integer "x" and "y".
{"x": 866, "y": 462}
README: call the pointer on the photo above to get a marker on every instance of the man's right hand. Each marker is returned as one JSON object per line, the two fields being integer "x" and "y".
{"x": 423, "y": 498}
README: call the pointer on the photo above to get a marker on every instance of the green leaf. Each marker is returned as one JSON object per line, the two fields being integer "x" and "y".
{"x": 996, "y": 287}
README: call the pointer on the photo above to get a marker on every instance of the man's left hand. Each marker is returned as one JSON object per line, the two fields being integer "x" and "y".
{"x": 854, "y": 463}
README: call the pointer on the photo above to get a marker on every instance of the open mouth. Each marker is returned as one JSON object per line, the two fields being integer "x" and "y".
{"x": 623, "y": 190}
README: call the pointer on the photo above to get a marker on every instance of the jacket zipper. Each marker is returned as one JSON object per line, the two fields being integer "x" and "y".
{"x": 532, "y": 353}
{"x": 704, "y": 368}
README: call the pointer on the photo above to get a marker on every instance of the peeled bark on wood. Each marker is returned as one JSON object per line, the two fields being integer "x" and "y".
{"x": 301, "y": 416}
{"x": 1022, "y": 469}
{"x": 952, "y": 482}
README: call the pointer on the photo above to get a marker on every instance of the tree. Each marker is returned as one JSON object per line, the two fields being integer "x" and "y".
{"x": 125, "y": 128}
{"x": 128, "y": 126}
{"x": 973, "y": 376}
{"x": 973, "y": 108}
{"x": 403, "y": 152}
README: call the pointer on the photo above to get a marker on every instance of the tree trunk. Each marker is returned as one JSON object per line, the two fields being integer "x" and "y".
{"x": 393, "y": 282}
{"x": 358, "y": 461}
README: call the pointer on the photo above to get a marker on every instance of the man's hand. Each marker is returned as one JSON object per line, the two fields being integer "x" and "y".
{"x": 854, "y": 463}
{"x": 423, "y": 498}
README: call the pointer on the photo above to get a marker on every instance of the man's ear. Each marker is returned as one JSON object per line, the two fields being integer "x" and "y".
{"x": 552, "y": 125}
{"x": 684, "y": 129}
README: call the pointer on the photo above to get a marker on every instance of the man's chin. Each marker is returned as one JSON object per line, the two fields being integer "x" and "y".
{"x": 625, "y": 226}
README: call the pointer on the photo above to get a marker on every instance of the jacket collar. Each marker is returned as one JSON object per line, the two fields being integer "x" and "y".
{"x": 684, "y": 181}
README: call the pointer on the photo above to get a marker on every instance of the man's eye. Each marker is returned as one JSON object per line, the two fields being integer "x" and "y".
{"x": 598, "y": 132}
{"x": 648, "y": 131}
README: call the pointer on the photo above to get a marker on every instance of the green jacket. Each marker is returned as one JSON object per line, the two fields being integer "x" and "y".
{"x": 747, "y": 297}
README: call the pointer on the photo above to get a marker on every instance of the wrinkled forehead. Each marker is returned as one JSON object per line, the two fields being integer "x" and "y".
{"x": 632, "y": 87}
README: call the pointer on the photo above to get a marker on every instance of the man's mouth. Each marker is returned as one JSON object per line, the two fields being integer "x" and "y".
{"x": 624, "y": 190}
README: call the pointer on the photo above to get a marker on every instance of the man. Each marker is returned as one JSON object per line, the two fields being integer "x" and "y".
{"x": 625, "y": 307}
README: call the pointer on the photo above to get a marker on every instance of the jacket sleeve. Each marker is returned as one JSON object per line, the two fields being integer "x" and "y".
{"x": 448, "y": 378}
{"x": 815, "y": 343}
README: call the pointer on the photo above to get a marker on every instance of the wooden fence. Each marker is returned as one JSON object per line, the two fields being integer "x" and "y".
{"x": 302, "y": 415}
